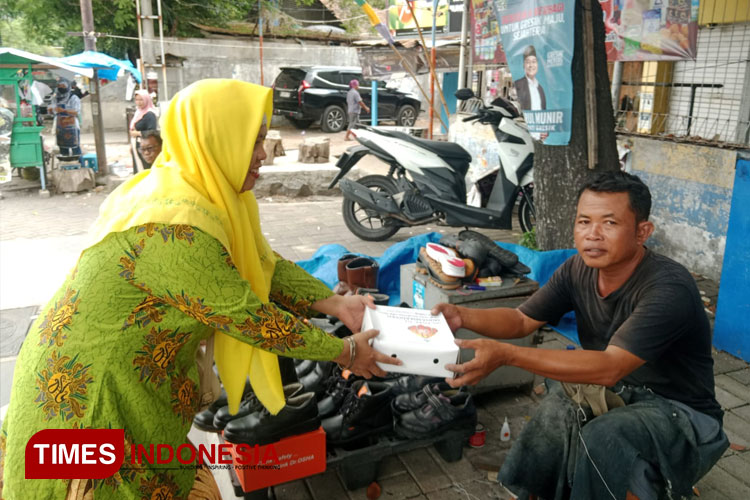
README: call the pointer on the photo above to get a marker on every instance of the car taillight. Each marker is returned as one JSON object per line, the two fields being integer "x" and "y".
{"x": 302, "y": 86}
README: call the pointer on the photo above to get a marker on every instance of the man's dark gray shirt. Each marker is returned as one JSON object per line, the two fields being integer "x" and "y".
{"x": 657, "y": 315}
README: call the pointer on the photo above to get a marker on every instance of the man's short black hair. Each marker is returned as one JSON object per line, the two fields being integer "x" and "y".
{"x": 151, "y": 133}
{"x": 623, "y": 182}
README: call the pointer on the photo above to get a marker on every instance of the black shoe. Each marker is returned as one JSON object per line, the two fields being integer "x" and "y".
{"x": 405, "y": 384}
{"x": 316, "y": 381}
{"x": 299, "y": 415}
{"x": 205, "y": 420}
{"x": 250, "y": 405}
{"x": 440, "y": 414}
{"x": 338, "y": 388}
{"x": 366, "y": 411}
{"x": 507, "y": 258}
{"x": 411, "y": 401}
{"x": 305, "y": 367}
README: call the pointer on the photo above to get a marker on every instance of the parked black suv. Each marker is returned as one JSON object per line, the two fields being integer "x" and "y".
{"x": 305, "y": 94}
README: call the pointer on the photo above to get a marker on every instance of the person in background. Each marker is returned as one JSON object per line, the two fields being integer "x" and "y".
{"x": 143, "y": 119}
{"x": 150, "y": 147}
{"x": 355, "y": 105}
{"x": 67, "y": 107}
{"x": 75, "y": 90}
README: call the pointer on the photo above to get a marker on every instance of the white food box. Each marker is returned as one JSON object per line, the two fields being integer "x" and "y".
{"x": 423, "y": 342}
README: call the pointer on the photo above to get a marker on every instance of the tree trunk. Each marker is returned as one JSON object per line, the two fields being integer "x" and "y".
{"x": 559, "y": 171}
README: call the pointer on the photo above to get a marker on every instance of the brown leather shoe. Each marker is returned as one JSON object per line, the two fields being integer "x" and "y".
{"x": 343, "y": 287}
{"x": 362, "y": 272}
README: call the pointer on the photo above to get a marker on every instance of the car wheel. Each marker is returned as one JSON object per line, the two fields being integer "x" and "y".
{"x": 333, "y": 119}
{"x": 407, "y": 116}
{"x": 301, "y": 124}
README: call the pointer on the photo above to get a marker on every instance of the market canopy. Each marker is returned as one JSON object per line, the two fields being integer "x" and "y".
{"x": 98, "y": 60}
{"x": 20, "y": 59}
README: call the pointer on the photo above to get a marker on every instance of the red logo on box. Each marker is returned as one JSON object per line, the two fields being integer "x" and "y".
{"x": 75, "y": 453}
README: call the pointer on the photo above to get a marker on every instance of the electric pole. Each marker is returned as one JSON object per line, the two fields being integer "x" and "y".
{"x": 89, "y": 43}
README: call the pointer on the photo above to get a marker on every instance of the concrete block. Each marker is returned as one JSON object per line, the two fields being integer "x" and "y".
{"x": 738, "y": 389}
{"x": 422, "y": 467}
{"x": 44, "y": 193}
{"x": 736, "y": 466}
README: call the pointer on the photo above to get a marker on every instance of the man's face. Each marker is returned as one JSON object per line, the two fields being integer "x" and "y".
{"x": 259, "y": 154}
{"x": 150, "y": 149}
{"x": 530, "y": 66}
{"x": 606, "y": 234}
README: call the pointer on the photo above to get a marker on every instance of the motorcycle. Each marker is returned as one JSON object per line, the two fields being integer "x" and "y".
{"x": 426, "y": 179}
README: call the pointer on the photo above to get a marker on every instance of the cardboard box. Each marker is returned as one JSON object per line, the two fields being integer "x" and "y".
{"x": 291, "y": 458}
{"x": 423, "y": 342}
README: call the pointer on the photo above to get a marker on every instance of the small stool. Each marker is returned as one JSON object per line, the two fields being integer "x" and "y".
{"x": 89, "y": 161}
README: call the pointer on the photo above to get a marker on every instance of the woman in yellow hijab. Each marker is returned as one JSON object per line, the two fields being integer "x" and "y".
{"x": 177, "y": 257}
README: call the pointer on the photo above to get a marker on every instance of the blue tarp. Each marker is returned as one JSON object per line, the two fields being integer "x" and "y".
{"x": 91, "y": 59}
{"x": 323, "y": 265}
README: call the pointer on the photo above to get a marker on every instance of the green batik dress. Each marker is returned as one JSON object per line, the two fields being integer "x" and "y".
{"x": 115, "y": 348}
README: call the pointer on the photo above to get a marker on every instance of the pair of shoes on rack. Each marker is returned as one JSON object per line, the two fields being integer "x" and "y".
{"x": 204, "y": 420}
{"x": 488, "y": 255}
{"x": 314, "y": 375}
{"x": 298, "y": 416}
{"x": 364, "y": 415}
{"x": 435, "y": 409}
{"x": 251, "y": 405}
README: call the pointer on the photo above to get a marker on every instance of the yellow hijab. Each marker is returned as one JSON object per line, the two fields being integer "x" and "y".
{"x": 209, "y": 130}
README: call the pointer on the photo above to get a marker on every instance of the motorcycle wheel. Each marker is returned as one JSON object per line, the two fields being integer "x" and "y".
{"x": 364, "y": 223}
{"x": 526, "y": 214}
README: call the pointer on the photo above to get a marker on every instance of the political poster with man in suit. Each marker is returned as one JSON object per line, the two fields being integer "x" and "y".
{"x": 537, "y": 37}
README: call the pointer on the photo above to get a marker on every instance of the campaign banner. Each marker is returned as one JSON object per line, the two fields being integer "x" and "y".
{"x": 538, "y": 41}
{"x": 650, "y": 30}
{"x": 485, "y": 34}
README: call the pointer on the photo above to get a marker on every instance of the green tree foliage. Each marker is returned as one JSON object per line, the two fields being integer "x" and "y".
{"x": 48, "y": 21}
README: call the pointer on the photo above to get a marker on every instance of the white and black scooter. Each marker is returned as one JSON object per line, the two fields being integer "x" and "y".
{"x": 426, "y": 180}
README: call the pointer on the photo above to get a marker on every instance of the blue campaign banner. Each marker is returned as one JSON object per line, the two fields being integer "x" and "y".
{"x": 538, "y": 40}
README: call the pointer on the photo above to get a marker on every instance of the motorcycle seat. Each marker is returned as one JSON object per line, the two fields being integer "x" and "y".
{"x": 442, "y": 149}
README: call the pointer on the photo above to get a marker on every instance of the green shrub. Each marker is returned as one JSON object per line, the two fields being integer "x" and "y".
{"x": 528, "y": 240}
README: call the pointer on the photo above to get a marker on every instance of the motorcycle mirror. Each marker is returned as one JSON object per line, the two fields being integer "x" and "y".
{"x": 464, "y": 94}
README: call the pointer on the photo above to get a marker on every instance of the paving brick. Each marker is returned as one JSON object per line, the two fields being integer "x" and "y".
{"x": 743, "y": 412}
{"x": 742, "y": 391}
{"x": 296, "y": 489}
{"x": 420, "y": 464}
{"x": 725, "y": 484}
{"x": 390, "y": 466}
{"x": 456, "y": 471}
{"x": 326, "y": 486}
{"x": 736, "y": 466}
{"x": 726, "y": 399}
{"x": 396, "y": 487}
{"x": 737, "y": 430}
{"x": 741, "y": 376}
{"x": 724, "y": 363}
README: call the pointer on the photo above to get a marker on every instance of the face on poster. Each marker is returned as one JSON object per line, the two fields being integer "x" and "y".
{"x": 538, "y": 40}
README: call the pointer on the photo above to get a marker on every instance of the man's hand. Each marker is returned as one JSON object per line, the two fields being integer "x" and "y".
{"x": 451, "y": 313}
{"x": 488, "y": 356}
{"x": 366, "y": 357}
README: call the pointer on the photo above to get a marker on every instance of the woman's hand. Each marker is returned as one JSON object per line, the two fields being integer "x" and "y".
{"x": 365, "y": 357}
{"x": 451, "y": 313}
{"x": 349, "y": 309}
